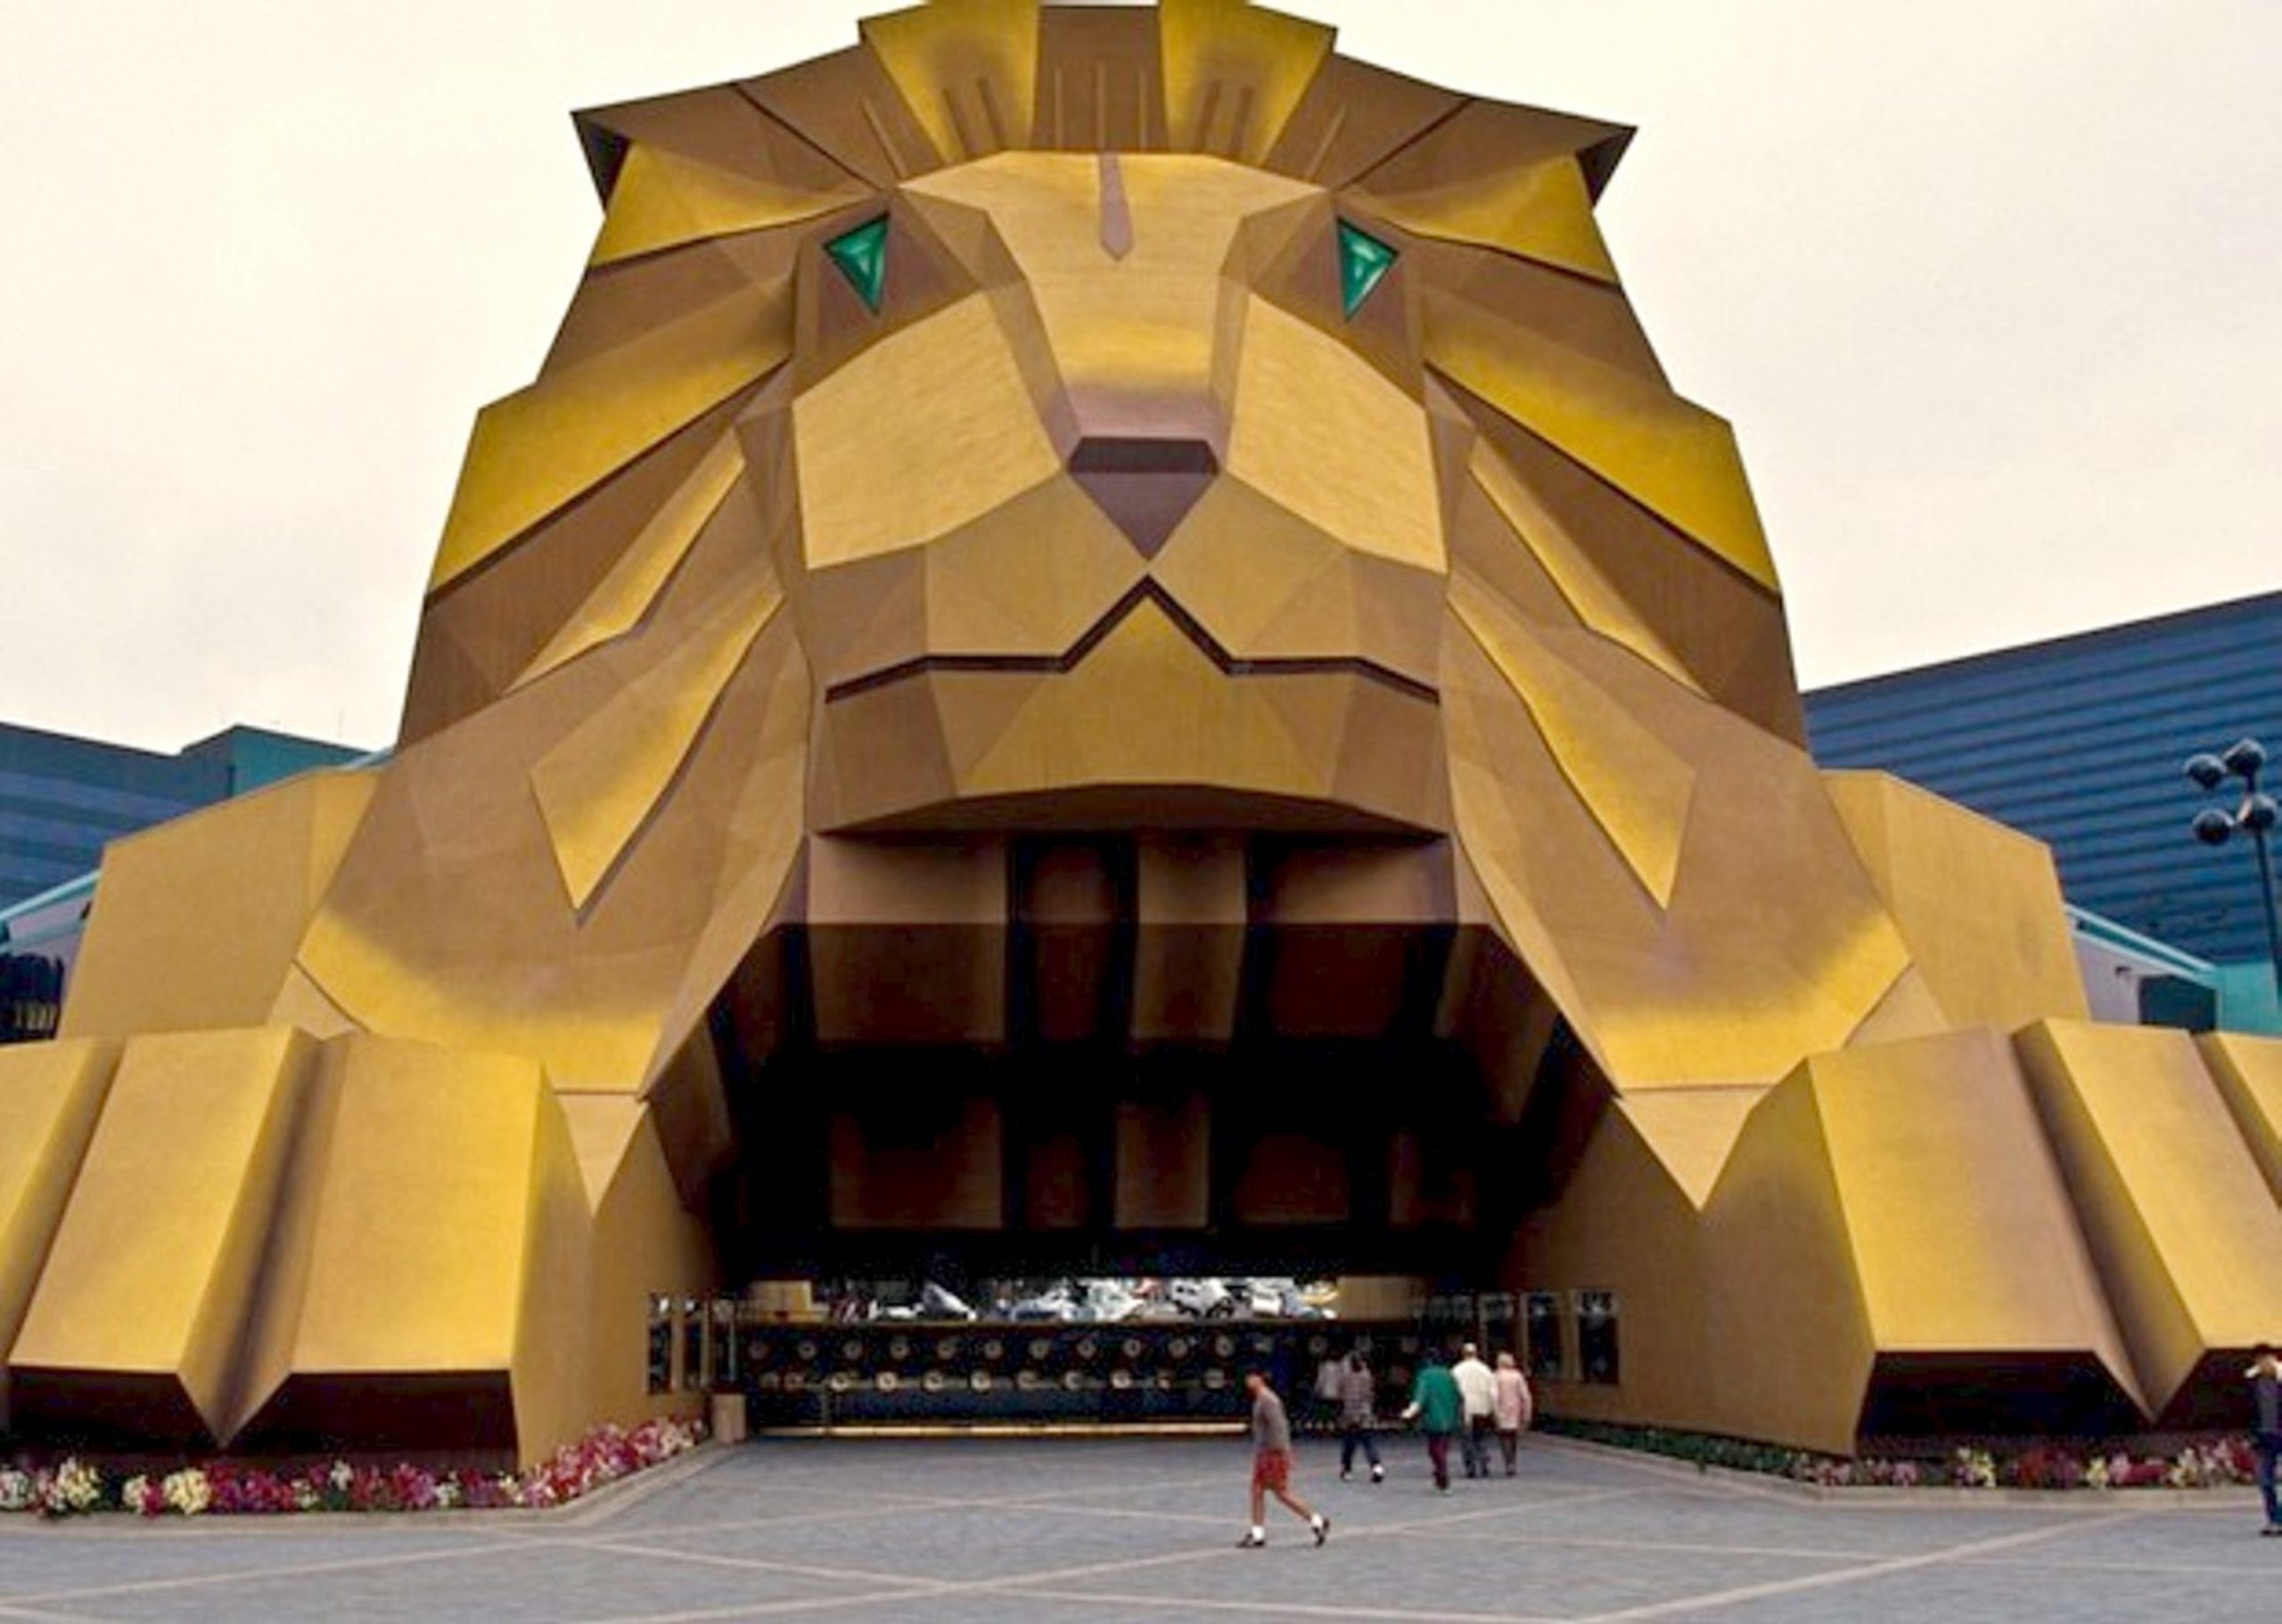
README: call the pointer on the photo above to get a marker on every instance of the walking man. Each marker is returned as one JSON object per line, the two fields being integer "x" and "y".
{"x": 1478, "y": 1389}
{"x": 1438, "y": 1411}
{"x": 2265, "y": 1374}
{"x": 1358, "y": 1416}
{"x": 1271, "y": 1466}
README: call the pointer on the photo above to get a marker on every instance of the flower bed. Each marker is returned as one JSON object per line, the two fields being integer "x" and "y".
{"x": 76, "y": 1488}
{"x": 2211, "y": 1464}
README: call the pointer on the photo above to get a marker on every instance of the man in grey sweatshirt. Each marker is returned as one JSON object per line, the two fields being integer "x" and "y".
{"x": 1271, "y": 1465}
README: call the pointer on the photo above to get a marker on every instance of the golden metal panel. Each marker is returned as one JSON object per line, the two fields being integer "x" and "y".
{"x": 50, "y": 1094}
{"x": 1146, "y": 706}
{"x": 1240, "y": 558}
{"x": 1235, "y": 73}
{"x": 598, "y": 785}
{"x": 1099, "y": 87}
{"x": 1625, "y": 1225}
{"x": 1773, "y": 945}
{"x": 1588, "y": 592}
{"x": 425, "y": 1181}
{"x": 1540, "y": 211}
{"x": 968, "y": 70}
{"x": 1638, "y": 788}
{"x": 664, "y": 199}
{"x": 198, "y": 1126}
{"x": 644, "y": 1244}
{"x": 1327, "y": 436}
{"x": 1132, "y": 336}
{"x": 648, "y": 561}
{"x": 1777, "y": 1257}
{"x": 1978, "y": 903}
{"x": 923, "y": 432}
{"x": 848, "y": 106}
{"x": 536, "y": 449}
{"x": 1352, "y": 116}
{"x": 1906, "y": 1011}
{"x": 449, "y": 922}
{"x": 1675, "y": 458}
{"x": 724, "y": 127}
{"x": 1189, "y": 943}
{"x": 1691, "y": 1131}
{"x": 2248, "y": 1071}
{"x": 1031, "y": 577}
{"x": 552, "y": 1378}
{"x": 2184, "y": 1227}
{"x": 603, "y": 1129}
{"x": 1964, "y": 1234}
{"x": 196, "y": 921}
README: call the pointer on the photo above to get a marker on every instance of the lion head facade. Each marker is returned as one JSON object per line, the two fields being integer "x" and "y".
{"x": 1099, "y": 627}
{"x": 1142, "y": 448}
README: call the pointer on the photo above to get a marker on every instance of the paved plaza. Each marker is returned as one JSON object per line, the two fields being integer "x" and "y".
{"x": 1143, "y": 1531}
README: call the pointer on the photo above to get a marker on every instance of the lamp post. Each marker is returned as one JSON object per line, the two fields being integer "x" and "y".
{"x": 2255, "y": 816}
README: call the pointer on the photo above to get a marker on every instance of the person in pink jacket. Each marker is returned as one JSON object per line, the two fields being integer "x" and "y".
{"x": 1511, "y": 1407}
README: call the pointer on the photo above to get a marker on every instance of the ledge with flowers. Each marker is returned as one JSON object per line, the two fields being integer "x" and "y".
{"x": 72, "y": 1486}
{"x": 2210, "y": 1462}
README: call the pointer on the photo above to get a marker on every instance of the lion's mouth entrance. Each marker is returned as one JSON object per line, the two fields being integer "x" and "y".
{"x": 1146, "y": 486}
{"x": 1278, "y": 1049}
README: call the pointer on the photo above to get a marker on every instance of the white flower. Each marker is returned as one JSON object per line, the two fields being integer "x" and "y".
{"x": 187, "y": 1491}
{"x": 74, "y": 1489}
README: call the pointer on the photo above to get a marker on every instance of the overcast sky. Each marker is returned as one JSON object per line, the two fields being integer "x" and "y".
{"x": 1989, "y": 288}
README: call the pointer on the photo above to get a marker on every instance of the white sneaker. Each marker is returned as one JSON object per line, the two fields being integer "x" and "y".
{"x": 1251, "y": 1541}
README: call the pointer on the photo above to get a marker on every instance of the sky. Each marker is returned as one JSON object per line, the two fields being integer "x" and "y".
{"x": 1988, "y": 289}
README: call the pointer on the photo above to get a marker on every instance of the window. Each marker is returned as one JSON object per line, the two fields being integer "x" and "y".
{"x": 695, "y": 1375}
{"x": 1541, "y": 1319}
{"x": 662, "y": 1345}
{"x": 1597, "y": 1356}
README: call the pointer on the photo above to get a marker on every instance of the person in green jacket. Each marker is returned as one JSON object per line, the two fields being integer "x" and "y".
{"x": 1438, "y": 1411}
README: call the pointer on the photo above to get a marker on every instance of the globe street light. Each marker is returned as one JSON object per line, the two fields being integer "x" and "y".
{"x": 2255, "y": 816}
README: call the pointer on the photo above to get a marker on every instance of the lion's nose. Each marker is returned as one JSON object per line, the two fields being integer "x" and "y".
{"x": 1146, "y": 486}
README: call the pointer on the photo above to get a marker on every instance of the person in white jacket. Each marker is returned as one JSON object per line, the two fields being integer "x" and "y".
{"x": 1478, "y": 1388}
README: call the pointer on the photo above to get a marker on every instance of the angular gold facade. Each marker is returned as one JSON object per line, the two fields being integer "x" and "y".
{"x": 1080, "y": 591}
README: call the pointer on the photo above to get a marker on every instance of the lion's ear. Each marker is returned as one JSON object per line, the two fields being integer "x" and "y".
{"x": 1516, "y": 179}
{"x": 682, "y": 168}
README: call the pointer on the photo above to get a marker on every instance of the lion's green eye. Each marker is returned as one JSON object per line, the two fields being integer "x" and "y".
{"x": 1364, "y": 262}
{"x": 862, "y": 256}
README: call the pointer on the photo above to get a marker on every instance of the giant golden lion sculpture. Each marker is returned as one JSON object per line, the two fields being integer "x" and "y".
{"x": 1129, "y": 548}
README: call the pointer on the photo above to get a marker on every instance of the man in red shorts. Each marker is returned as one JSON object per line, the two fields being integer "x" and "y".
{"x": 1271, "y": 1466}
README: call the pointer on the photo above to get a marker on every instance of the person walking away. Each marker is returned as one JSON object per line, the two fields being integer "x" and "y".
{"x": 1358, "y": 1416}
{"x": 1326, "y": 1390}
{"x": 2265, "y": 1374}
{"x": 1512, "y": 1408}
{"x": 1271, "y": 1466}
{"x": 1438, "y": 1411}
{"x": 1479, "y": 1390}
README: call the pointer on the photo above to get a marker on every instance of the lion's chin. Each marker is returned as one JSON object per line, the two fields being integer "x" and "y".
{"x": 1120, "y": 745}
{"x": 1128, "y": 808}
